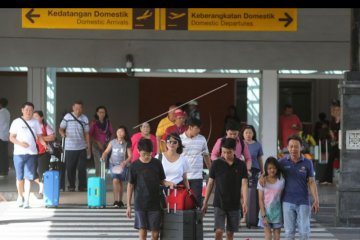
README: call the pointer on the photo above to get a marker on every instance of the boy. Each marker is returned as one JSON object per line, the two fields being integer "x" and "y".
{"x": 229, "y": 174}
{"x": 145, "y": 176}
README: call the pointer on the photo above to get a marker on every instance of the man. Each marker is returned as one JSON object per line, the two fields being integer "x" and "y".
{"x": 192, "y": 110}
{"x": 179, "y": 126}
{"x": 299, "y": 177}
{"x": 4, "y": 137}
{"x": 229, "y": 175}
{"x": 23, "y": 134}
{"x": 145, "y": 176}
{"x": 163, "y": 125}
{"x": 196, "y": 151}
{"x": 232, "y": 131}
{"x": 289, "y": 124}
{"x": 75, "y": 127}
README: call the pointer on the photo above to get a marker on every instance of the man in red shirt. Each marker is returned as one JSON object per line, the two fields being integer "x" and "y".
{"x": 179, "y": 126}
{"x": 289, "y": 124}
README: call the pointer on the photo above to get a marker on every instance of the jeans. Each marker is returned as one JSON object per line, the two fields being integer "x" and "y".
{"x": 296, "y": 216}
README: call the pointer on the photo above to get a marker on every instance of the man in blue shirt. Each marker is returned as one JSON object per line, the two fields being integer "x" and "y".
{"x": 299, "y": 175}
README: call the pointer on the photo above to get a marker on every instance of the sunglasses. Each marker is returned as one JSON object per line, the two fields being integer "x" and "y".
{"x": 172, "y": 141}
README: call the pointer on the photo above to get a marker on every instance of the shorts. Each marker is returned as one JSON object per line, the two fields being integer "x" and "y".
{"x": 149, "y": 220}
{"x": 25, "y": 166}
{"x": 232, "y": 219}
{"x": 271, "y": 225}
{"x": 122, "y": 176}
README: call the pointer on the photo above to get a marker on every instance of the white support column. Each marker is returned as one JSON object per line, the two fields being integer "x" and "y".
{"x": 36, "y": 90}
{"x": 269, "y": 112}
{"x": 253, "y": 102}
{"x": 42, "y": 91}
{"x": 51, "y": 97}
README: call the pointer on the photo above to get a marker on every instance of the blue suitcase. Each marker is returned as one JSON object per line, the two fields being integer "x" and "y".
{"x": 51, "y": 188}
{"x": 96, "y": 193}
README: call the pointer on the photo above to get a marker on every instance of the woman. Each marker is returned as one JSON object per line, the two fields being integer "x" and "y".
{"x": 144, "y": 133}
{"x": 175, "y": 165}
{"x": 249, "y": 136}
{"x": 100, "y": 133}
{"x": 43, "y": 159}
{"x": 120, "y": 158}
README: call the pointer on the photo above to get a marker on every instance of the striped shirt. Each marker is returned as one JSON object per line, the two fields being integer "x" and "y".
{"x": 194, "y": 150}
{"x": 75, "y": 136}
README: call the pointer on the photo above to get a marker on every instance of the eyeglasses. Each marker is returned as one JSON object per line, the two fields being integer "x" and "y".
{"x": 172, "y": 142}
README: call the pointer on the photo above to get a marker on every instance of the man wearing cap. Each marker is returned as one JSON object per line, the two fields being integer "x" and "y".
{"x": 192, "y": 111}
{"x": 179, "y": 126}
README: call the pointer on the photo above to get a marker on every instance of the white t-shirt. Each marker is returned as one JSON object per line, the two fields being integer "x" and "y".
{"x": 174, "y": 171}
{"x": 194, "y": 150}
{"x": 23, "y": 134}
{"x": 4, "y": 124}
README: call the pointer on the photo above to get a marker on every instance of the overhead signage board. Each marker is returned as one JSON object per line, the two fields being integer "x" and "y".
{"x": 91, "y": 18}
{"x": 229, "y": 19}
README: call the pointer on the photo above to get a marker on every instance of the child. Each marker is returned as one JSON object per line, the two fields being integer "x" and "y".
{"x": 270, "y": 215}
{"x": 145, "y": 176}
{"x": 121, "y": 155}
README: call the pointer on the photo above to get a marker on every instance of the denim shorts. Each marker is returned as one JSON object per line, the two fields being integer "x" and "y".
{"x": 232, "y": 219}
{"x": 149, "y": 220}
{"x": 25, "y": 166}
{"x": 122, "y": 177}
{"x": 271, "y": 225}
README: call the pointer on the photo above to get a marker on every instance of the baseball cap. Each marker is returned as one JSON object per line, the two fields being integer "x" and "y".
{"x": 179, "y": 113}
{"x": 193, "y": 102}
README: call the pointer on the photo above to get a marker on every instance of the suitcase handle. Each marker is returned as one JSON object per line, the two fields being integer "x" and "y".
{"x": 102, "y": 169}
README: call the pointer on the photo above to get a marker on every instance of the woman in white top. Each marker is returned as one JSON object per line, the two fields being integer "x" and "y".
{"x": 175, "y": 165}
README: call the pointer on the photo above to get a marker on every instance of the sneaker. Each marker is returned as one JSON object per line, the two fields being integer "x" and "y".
{"x": 39, "y": 195}
{"x": 20, "y": 201}
{"x": 121, "y": 204}
{"x": 116, "y": 204}
{"x": 26, "y": 205}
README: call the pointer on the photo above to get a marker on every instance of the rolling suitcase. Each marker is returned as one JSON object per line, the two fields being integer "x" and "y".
{"x": 181, "y": 224}
{"x": 251, "y": 218}
{"x": 51, "y": 188}
{"x": 96, "y": 193}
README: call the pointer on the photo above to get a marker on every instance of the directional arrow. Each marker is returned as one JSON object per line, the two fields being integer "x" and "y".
{"x": 30, "y": 15}
{"x": 288, "y": 19}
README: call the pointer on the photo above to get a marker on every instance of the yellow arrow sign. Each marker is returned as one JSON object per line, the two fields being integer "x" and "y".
{"x": 91, "y": 18}
{"x": 229, "y": 19}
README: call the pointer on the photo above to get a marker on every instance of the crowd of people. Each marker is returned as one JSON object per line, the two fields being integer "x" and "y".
{"x": 175, "y": 156}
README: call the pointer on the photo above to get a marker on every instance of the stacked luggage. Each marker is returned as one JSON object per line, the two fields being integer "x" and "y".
{"x": 181, "y": 220}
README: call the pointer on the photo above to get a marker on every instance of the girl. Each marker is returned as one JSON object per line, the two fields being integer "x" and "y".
{"x": 120, "y": 157}
{"x": 270, "y": 215}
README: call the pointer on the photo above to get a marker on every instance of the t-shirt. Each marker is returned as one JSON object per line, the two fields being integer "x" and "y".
{"x": 160, "y": 131}
{"x": 194, "y": 150}
{"x": 75, "y": 138}
{"x": 256, "y": 151}
{"x": 146, "y": 178}
{"x": 286, "y": 123}
{"x": 228, "y": 180}
{"x": 174, "y": 171}
{"x": 296, "y": 180}
{"x": 239, "y": 153}
{"x": 134, "y": 147}
{"x": 4, "y": 124}
{"x": 118, "y": 151}
{"x": 272, "y": 200}
{"x": 23, "y": 134}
